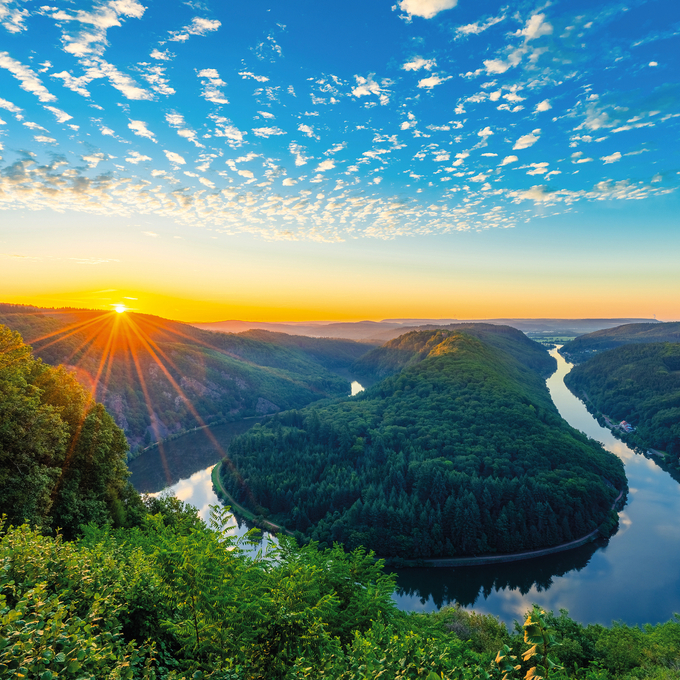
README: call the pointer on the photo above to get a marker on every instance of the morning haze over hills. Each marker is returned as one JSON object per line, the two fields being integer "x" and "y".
{"x": 339, "y": 340}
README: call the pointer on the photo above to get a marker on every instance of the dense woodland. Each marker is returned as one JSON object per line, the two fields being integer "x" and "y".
{"x": 460, "y": 453}
{"x": 585, "y": 346}
{"x": 62, "y": 457}
{"x": 141, "y": 588}
{"x": 160, "y": 377}
{"x": 639, "y": 383}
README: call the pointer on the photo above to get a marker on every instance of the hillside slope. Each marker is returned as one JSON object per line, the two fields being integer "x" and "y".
{"x": 414, "y": 346}
{"x": 461, "y": 453}
{"x": 639, "y": 383}
{"x": 160, "y": 377}
{"x": 582, "y": 348}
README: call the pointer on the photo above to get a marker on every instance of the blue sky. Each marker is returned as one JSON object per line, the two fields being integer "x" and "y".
{"x": 336, "y": 122}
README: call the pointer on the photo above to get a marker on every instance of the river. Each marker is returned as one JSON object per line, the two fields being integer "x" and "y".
{"x": 633, "y": 577}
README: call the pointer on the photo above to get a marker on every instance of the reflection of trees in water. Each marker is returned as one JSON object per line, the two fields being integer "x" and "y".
{"x": 171, "y": 461}
{"x": 466, "y": 584}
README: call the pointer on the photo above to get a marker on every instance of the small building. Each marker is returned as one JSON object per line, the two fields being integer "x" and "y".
{"x": 626, "y": 426}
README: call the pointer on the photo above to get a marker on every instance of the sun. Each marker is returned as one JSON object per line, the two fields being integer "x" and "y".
{"x": 120, "y": 308}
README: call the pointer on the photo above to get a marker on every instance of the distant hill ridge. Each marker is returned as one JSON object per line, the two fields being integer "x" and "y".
{"x": 387, "y": 329}
{"x": 159, "y": 377}
{"x": 585, "y": 346}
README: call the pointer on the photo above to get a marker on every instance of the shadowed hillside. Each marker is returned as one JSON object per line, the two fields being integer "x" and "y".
{"x": 160, "y": 377}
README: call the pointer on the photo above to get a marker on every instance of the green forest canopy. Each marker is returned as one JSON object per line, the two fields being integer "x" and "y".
{"x": 62, "y": 457}
{"x": 582, "y": 348}
{"x": 460, "y": 453}
{"x": 639, "y": 383}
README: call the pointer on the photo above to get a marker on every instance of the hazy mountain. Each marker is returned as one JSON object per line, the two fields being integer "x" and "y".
{"x": 379, "y": 332}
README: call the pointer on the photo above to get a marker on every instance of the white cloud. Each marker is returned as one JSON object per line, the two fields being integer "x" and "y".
{"x": 653, "y": 63}
{"x": 97, "y": 68}
{"x": 44, "y": 139}
{"x": 163, "y": 56}
{"x": 536, "y": 168}
{"x": 9, "y": 106}
{"x": 545, "y": 105}
{"x": 60, "y": 115}
{"x": 211, "y": 84}
{"x": 246, "y": 173}
{"x": 206, "y": 182}
{"x": 224, "y": 128}
{"x": 28, "y": 80}
{"x": 176, "y": 121}
{"x": 267, "y": 132}
{"x": 155, "y": 76}
{"x": 153, "y": 234}
{"x": 476, "y": 28}
{"x": 94, "y": 159}
{"x": 140, "y": 129}
{"x": 12, "y": 18}
{"x": 91, "y": 40}
{"x": 306, "y": 129}
{"x": 417, "y": 63}
{"x": 289, "y": 182}
{"x": 174, "y": 157}
{"x": 426, "y": 8}
{"x": 328, "y": 164}
{"x": 135, "y": 157}
{"x": 367, "y": 86}
{"x": 486, "y": 132}
{"x": 535, "y": 27}
{"x": 298, "y": 152}
{"x": 432, "y": 81}
{"x": 248, "y": 74}
{"x": 198, "y": 26}
{"x": 526, "y": 141}
{"x": 509, "y": 159}
{"x": 611, "y": 159}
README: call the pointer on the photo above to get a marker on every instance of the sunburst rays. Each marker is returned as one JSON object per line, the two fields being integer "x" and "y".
{"x": 101, "y": 341}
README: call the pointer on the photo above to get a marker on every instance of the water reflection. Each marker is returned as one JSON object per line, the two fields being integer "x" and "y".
{"x": 165, "y": 465}
{"x": 634, "y": 577}
{"x": 198, "y": 491}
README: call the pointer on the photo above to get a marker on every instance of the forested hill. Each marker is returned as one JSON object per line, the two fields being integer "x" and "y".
{"x": 159, "y": 377}
{"x": 583, "y": 347}
{"x": 413, "y": 347}
{"x": 638, "y": 383}
{"x": 460, "y": 453}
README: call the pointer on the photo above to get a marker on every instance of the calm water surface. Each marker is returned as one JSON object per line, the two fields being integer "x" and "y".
{"x": 633, "y": 577}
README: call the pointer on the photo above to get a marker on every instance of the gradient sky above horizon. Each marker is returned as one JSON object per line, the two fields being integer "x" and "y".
{"x": 312, "y": 160}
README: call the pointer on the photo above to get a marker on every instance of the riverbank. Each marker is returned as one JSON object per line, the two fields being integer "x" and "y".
{"x": 508, "y": 557}
{"x": 236, "y": 508}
